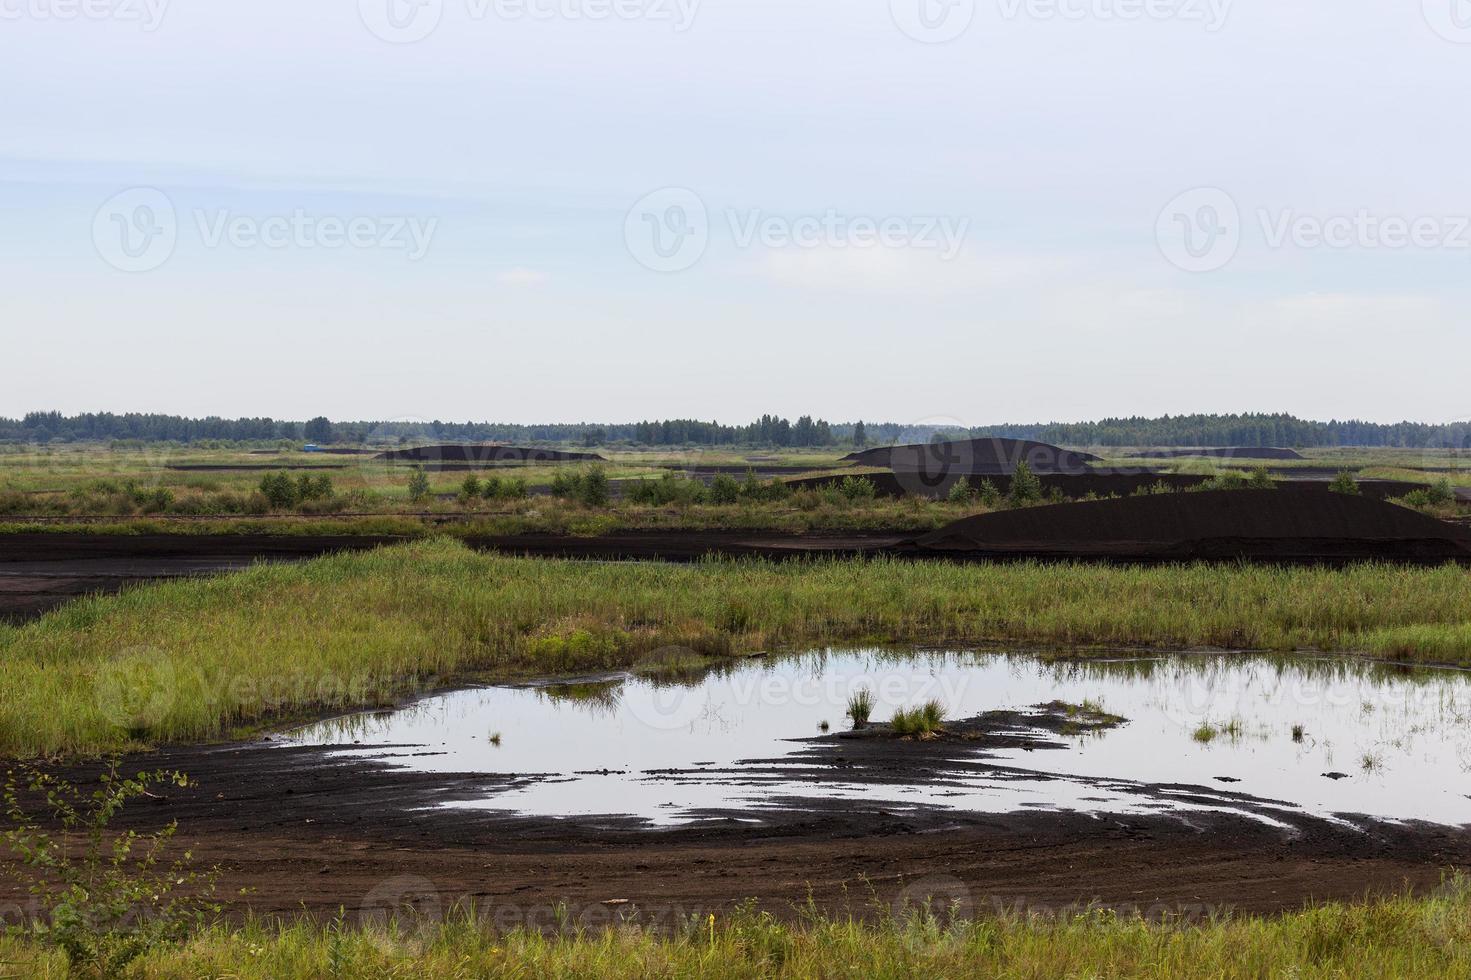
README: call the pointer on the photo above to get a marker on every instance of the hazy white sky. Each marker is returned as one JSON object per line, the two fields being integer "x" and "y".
{"x": 913, "y": 210}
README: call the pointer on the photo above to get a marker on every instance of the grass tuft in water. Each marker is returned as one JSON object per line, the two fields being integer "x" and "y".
{"x": 923, "y": 720}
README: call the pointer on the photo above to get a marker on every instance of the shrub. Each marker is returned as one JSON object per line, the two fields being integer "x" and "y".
{"x": 766, "y": 491}
{"x": 1026, "y": 488}
{"x": 114, "y": 900}
{"x": 280, "y": 491}
{"x": 858, "y": 488}
{"x": 566, "y": 484}
{"x": 724, "y": 489}
{"x": 1344, "y": 482}
{"x": 961, "y": 493}
{"x": 490, "y": 488}
{"x": 670, "y": 488}
{"x": 990, "y": 495}
{"x": 514, "y": 489}
{"x": 314, "y": 487}
{"x": 470, "y": 489}
{"x": 1441, "y": 492}
{"x": 418, "y": 485}
{"x": 594, "y": 489}
{"x": 1226, "y": 480}
{"x": 1260, "y": 479}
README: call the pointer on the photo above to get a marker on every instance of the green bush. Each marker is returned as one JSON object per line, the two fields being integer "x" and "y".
{"x": 1026, "y": 488}
{"x": 470, "y": 489}
{"x": 113, "y": 900}
{"x": 962, "y": 492}
{"x": 858, "y": 488}
{"x": 280, "y": 491}
{"x": 669, "y": 489}
{"x": 724, "y": 490}
{"x": 770, "y": 491}
{"x": 418, "y": 485}
{"x": 1260, "y": 479}
{"x": 1344, "y": 483}
{"x": 594, "y": 489}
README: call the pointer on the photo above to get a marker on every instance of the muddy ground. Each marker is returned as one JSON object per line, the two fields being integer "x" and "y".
{"x": 305, "y": 832}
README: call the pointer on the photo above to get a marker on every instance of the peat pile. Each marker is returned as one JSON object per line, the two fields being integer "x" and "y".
{"x": 1253, "y": 524}
{"x": 973, "y": 456}
{"x": 483, "y": 454}
{"x": 1239, "y": 452}
{"x": 1099, "y": 483}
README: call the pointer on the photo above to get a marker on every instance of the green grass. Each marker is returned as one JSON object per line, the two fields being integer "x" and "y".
{"x": 1400, "y": 937}
{"x": 922, "y": 720}
{"x": 860, "y": 706}
{"x": 200, "y": 659}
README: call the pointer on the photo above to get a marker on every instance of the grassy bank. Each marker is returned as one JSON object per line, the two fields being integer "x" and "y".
{"x": 1396, "y": 937}
{"x": 197, "y": 659}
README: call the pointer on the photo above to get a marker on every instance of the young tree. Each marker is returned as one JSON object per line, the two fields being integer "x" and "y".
{"x": 418, "y": 485}
{"x": 1345, "y": 483}
{"x": 1026, "y": 488}
{"x": 594, "y": 489}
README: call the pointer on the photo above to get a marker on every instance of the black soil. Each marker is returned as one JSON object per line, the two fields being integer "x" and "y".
{"x": 972, "y": 456}
{"x": 1097, "y": 482}
{"x": 483, "y": 454}
{"x": 1235, "y": 452}
{"x": 1257, "y": 524}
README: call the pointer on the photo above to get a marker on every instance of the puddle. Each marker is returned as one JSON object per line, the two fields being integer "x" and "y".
{"x": 1203, "y": 732}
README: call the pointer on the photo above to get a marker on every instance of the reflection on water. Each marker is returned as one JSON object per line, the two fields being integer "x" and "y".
{"x": 1325, "y": 736}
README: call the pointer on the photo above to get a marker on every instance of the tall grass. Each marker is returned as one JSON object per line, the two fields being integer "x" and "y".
{"x": 198, "y": 659}
{"x": 1397, "y": 937}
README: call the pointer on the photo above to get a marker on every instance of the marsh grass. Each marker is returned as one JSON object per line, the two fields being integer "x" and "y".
{"x": 860, "y": 706}
{"x": 1400, "y": 936}
{"x": 925, "y": 719}
{"x": 203, "y": 658}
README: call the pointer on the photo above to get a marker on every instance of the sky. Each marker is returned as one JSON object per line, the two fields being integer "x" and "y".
{"x": 921, "y": 211}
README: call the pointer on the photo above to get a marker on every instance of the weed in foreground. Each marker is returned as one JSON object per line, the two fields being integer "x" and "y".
{"x": 115, "y": 900}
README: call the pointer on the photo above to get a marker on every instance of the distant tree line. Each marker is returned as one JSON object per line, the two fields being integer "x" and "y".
{"x": 769, "y": 431}
{"x": 1251, "y": 430}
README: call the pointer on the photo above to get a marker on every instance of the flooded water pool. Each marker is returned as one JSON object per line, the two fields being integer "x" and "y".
{"x": 1267, "y": 736}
